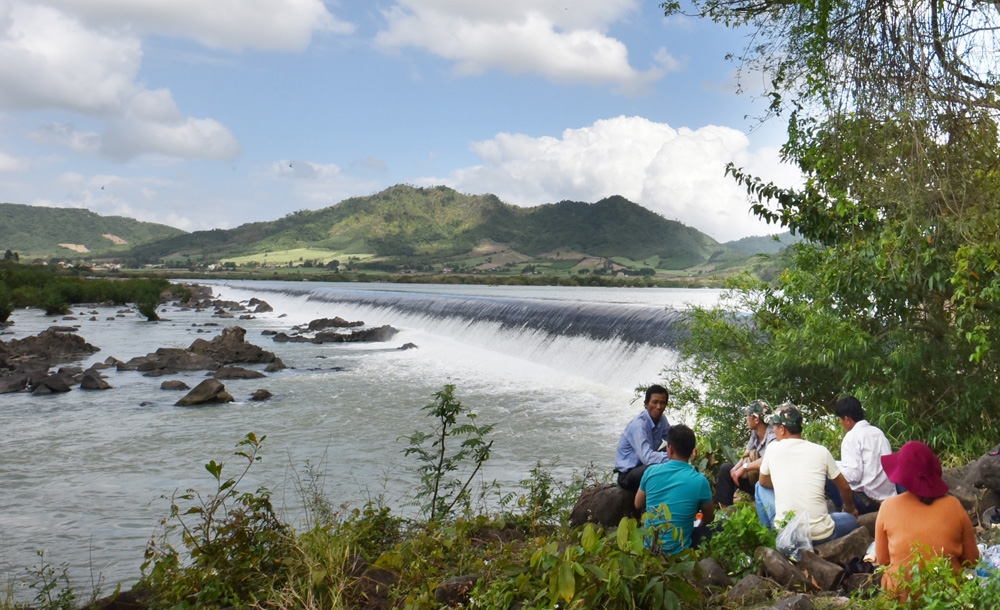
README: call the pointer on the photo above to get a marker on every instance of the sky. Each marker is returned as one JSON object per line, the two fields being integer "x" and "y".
{"x": 209, "y": 114}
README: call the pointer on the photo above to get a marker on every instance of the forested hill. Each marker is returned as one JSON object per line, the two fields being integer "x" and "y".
{"x": 35, "y": 231}
{"x": 422, "y": 224}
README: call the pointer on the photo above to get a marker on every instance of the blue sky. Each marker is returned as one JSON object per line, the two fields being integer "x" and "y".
{"x": 204, "y": 114}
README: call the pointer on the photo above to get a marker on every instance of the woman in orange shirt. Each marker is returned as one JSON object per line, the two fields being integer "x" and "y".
{"x": 922, "y": 520}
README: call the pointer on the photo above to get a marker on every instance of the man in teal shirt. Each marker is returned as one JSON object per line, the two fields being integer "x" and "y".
{"x": 673, "y": 492}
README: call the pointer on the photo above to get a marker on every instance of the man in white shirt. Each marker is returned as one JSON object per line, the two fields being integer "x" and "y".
{"x": 860, "y": 457}
{"x": 793, "y": 479}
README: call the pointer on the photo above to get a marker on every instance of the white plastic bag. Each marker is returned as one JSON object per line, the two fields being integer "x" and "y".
{"x": 795, "y": 537}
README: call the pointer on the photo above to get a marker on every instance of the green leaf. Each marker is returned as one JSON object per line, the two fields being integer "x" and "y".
{"x": 588, "y": 540}
{"x": 214, "y": 469}
{"x": 567, "y": 582}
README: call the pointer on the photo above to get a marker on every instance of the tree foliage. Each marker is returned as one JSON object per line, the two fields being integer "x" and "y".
{"x": 892, "y": 120}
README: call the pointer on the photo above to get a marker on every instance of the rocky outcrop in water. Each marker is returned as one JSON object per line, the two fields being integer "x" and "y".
{"x": 25, "y": 363}
{"x": 228, "y": 348}
{"x": 210, "y": 391}
{"x": 324, "y": 323}
{"x": 236, "y": 372}
{"x": 49, "y": 346}
{"x": 382, "y": 333}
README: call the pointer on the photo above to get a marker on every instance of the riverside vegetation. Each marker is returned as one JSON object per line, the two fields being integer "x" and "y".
{"x": 231, "y": 549}
{"x": 54, "y": 290}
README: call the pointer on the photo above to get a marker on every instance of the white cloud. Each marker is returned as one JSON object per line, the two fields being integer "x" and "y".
{"x": 321, "y": 184}
{"x": 12, "y": 164}
{"x": 678, "y": 173}
{"x": 50, "y": 60}
{"x": 565, "y": 42}
{"x": 152, "y": 124}
{"x": 68, "y": 136}
{"x": 274, "y": 25}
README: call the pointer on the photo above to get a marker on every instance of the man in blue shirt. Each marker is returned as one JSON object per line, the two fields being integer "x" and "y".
{"x": 672, "y": 493}
{"x": 640, "y": 442}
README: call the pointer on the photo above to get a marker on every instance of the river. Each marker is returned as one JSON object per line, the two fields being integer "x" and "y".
{"x": 84, "y": 474}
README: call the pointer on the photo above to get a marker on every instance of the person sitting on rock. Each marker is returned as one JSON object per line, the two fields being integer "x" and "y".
{"x": 793, "y": 478}
{"x": 923, "y": 519}
{"x": 745, "y": 473}
{"x": 860, "y": 457}
{"x": 639, "y": 444}
{"x": 673, "y": 492}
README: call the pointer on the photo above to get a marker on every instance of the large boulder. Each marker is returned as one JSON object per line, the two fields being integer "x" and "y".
{"x": 13, "y": 383}
{"x": 842, "y": 550}
{"x": 92, "y": 380}
{"x": 49, "y": 346}
{"x": 261, "y": 395}
{"x": 174, "y": 384}
{"x": 236, "y": 372}
{"x": 752, "y": 589}
{"x": 336, "y": 322}
{"x": 52, "y": 384}
{"x": 230, "y": 348}
{"x": 604, "y": 505}
{"x": 210, "y": 391}
{"x": 455, "y": 591}
{"x": 382, "y": 333}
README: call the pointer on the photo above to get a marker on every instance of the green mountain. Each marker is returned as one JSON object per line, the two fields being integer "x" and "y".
{"x": 37, "y": 232}
{"x": 764, "y": 244}
{"x": 410, "y": 225}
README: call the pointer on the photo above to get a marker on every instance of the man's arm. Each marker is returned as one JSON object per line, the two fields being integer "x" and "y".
{"x": 640, "y": 500}
{"x": 851, "y": 464}
{"x": 845, "y": 493}
{"x": 765, "y": 481}
{"x": 639, "y": 439}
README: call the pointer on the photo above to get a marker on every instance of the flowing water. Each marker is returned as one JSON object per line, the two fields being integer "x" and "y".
{"x": 83, "y": 474}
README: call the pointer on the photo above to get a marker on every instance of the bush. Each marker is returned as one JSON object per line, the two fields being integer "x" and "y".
{"x": 236, "y": 544}
{"x": 736, "y": 537}
{"x": 934, "y": 584}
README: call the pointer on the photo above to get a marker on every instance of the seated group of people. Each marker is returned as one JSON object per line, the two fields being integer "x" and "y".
{"x": 786, "y": 474}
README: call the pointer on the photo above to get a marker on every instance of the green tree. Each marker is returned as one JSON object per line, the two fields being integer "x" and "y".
{"x": 439, "y": 489}
{"x": 147, "y": 298}
{"x": 891, "y": 114}
{"x": 6, "y": 302}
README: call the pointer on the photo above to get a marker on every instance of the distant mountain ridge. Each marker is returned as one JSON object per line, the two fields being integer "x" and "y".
{"x": 763, "y": 244}
{"x": 433, "y": 224}
{"x": 432, "y": 228}
{"x": 35, "y": 231}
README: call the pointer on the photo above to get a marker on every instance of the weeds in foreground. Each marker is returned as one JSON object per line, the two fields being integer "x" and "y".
{"x": 933, "y": 583}
{"x": 439, "y": 489}
{"x": 614, "y": 571}
{"x": 735, "y": 538}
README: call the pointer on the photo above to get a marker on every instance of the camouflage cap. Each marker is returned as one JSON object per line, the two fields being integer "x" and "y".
{"x": 759, "y": 408}
{"x": 786, "y": 414}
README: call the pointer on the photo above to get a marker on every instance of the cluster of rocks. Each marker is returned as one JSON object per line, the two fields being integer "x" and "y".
{"x": 317, "y": 332}
{"x": 230, "y": 347}
{"x": 25, "y": 364}
{"x": 201, "y": 300}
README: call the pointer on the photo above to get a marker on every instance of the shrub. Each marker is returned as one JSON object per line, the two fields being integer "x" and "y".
{"x": 440, "y": 492}
{"x": 236, "y": 544}
{"x": 736, "y": 537}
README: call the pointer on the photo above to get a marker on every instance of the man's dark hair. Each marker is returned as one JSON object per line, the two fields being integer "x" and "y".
{"x": 681, "y": 438}
{"x": 655, "y": 389}
{"x": 793, "y": 428}
{"x": 849, "y": 406}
